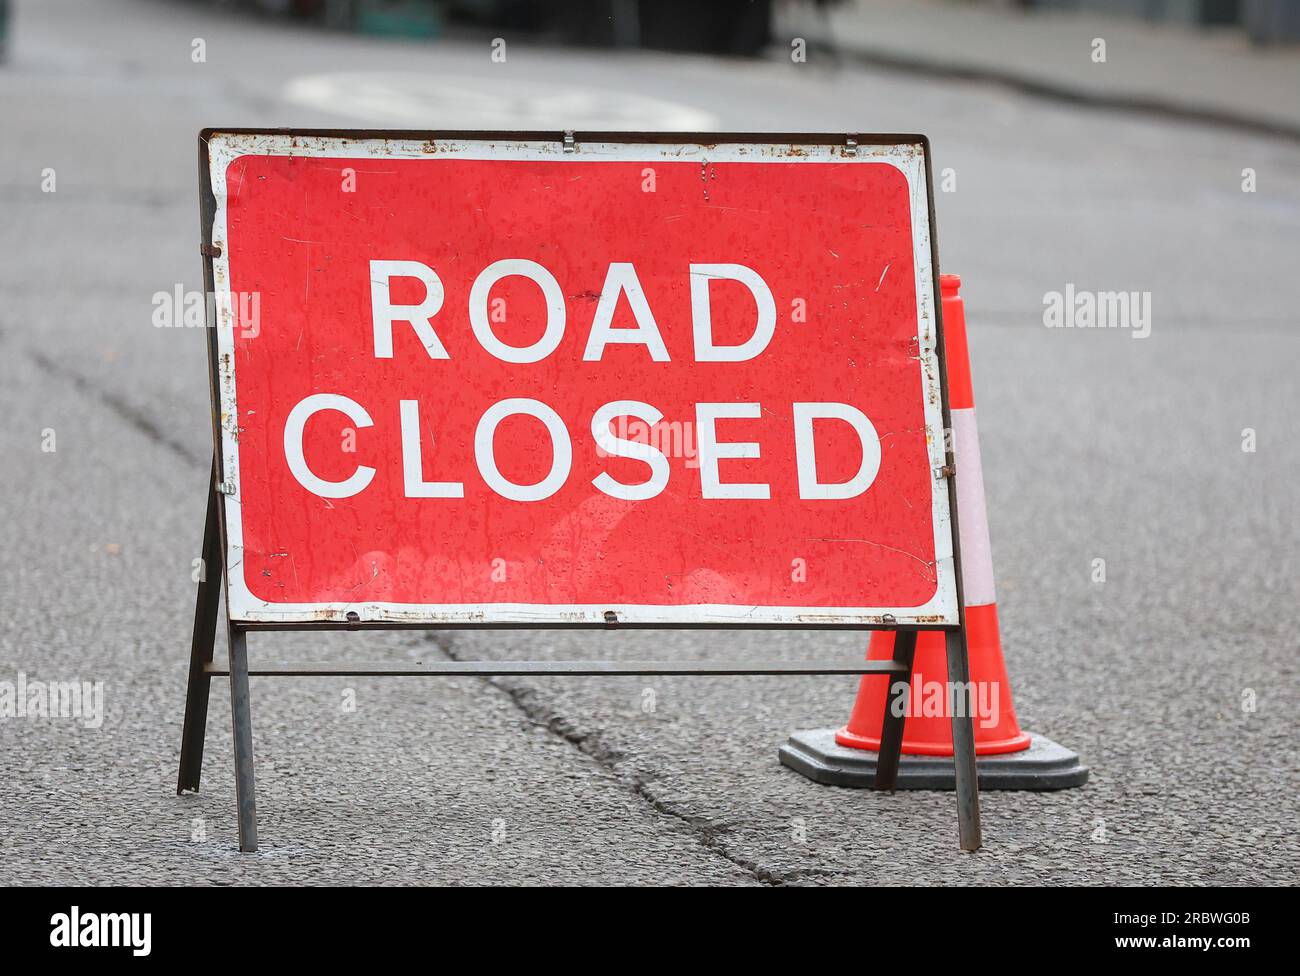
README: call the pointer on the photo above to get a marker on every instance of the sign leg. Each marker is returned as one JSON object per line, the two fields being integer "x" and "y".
{"x": 201, "y": 648}
{"x": 241, "y": 716}
{"x": 963, "y": 741}
{"x": 891, "y": 731}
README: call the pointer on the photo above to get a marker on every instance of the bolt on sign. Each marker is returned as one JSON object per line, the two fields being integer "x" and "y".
{"x": 539, "y": 379}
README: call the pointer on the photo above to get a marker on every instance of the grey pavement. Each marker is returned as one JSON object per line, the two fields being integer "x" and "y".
{"x": 1096, "y": 445}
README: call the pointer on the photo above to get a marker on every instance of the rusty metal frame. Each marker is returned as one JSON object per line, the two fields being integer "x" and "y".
{"x": 202, "y": 667}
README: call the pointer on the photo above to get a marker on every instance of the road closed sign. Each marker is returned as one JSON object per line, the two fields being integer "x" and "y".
{"x": 535, "y": 380}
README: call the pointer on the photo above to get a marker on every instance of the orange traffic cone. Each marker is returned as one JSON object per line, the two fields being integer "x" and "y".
{"x": 1007, "y": 758}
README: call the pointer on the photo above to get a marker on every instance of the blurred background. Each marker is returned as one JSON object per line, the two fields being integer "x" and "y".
{"x": 742, "y": 27}
{"x": 1104, "y": 145}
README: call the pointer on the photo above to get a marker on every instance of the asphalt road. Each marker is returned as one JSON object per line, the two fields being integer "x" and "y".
{"x": 1096, "y": 445}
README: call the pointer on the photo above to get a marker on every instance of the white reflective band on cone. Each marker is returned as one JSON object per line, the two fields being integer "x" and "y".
{"x": 972, "y": 516}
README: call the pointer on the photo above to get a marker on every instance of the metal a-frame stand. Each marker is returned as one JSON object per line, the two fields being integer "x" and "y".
{"x": 203, "y": 669}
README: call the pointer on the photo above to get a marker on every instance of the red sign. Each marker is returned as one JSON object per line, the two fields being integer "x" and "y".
{"x": 498, "y": 381}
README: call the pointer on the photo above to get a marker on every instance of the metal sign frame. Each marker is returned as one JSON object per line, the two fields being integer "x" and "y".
{"x": 219, "y": 523}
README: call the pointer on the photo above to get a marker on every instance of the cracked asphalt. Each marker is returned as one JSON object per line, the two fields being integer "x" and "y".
{"x": 1176, "y": 679}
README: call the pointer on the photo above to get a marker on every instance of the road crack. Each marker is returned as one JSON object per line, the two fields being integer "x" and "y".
{"x": 710, "y": 834}
{"x": 124, "y": 410}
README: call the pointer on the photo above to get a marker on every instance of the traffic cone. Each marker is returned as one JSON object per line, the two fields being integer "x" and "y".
{"x": 1006, "y": 757}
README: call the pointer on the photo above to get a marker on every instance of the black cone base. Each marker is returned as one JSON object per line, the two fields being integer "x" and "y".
{"x": 1043, "y": 766}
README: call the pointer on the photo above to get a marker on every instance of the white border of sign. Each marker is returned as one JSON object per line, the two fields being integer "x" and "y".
{"x": 242, "y": 606}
